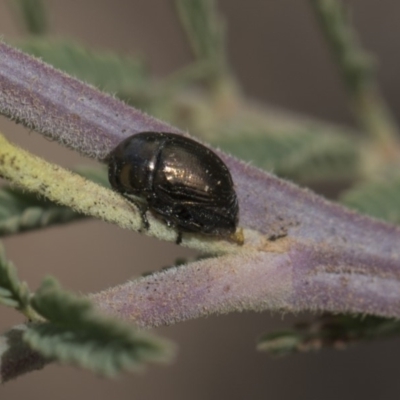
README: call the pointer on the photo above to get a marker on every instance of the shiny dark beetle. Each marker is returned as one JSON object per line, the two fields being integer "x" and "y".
{"x": 179, "y": 180}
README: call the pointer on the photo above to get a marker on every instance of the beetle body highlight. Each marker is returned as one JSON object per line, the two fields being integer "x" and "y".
{"x": 178, "y": 179}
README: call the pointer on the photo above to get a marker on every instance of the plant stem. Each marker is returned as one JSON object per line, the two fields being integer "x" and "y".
{"x": 357, "y": 70}
{"x": 205, "y": 31}
{"x": 64, "y": 187}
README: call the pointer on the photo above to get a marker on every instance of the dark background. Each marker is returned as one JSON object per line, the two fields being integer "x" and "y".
{"x": 279, "y": 56}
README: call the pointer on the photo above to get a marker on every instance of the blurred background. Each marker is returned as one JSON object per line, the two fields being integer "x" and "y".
{"x": 279, "y": 57}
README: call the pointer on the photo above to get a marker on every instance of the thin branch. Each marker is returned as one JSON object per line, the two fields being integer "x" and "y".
{"x": 301, "y": 252}
{"x": 205, "y": 31}
{"x": 32, "y": 15}
{"x": 301, "y": 279}
{"x": 64, "y": 109}
{"x": 91, "y": 122}
{"x": 304, "y": 278}
{"x": 357, "y": 70}
{"x": 69, "y": 189}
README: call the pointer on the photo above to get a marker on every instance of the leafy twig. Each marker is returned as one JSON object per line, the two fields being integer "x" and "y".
{"x": 75, "y": 333}
{"x": 13, "y": 292}
{"x": 205, "y": 31}
{"x": 73, "y": 109}
{"x": 21, "y": 210}
{"x": 130, "y": 74}
{"x": 32, "y": 14}
{"x": 335, "y": 331}
{"x": 65, "y": 328}
{"x": 66, "y": 188}
{"x": 357, "y": 70}
{"x": 324, "y": 245}
{"x": 301, "y": 252}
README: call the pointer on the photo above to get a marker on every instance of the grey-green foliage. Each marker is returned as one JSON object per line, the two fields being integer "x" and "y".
{"x": 334, "y": 331}
{"x": 32, "y": 13}
{"x": 124, "y": 76}
{"x": 204, "y": 29}
{"x": 21, "y": 211}
{"x": 75, "y": 333}
{"x": 356, "y": 65}
{"x": 66, "y": 328}
{"x": 302, "y": 156}
{"x": 13, "y": 292}
{"x": 380, "y": 199}
{"x": 282, "y": 343}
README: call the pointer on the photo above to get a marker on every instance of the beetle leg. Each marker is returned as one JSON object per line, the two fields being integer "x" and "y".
{"x": 142, "y": 208}
{"x": 145, "y": 222}
{"x": 171, "y": 224}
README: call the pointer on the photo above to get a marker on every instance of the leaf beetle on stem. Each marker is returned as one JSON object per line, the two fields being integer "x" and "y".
{"x": 179, "y": 180}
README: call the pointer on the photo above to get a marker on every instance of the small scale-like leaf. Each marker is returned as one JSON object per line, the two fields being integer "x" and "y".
{"x": 22, "y": 211}
{"x": 280, "y": 343}
{"x": 204, "y": 28}
{"x": 122, "y": 75}
{"x": 76, "y": 334}
{"x": 33, "y": 15}
{"x": 380, "y": 199}
{"x": 334, "y": 331}
{"x": 5, "y": 300}
{"x": 13, "y": 292}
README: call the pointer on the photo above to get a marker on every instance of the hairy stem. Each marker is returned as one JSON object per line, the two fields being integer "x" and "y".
{"x": 301, "y": 252}
{"x": 65, "y": 109}
{"x": 304, "y": 278}
{"x": 69, "y": 189}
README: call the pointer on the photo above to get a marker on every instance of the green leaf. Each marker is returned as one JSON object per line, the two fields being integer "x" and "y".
{"x": 13, "y": 292}
{"x": 21, "y": 211}
{"x": 204, "y": 28}
{"x": 280, "y": 343}
{"x": 306, "y": 156}
{"x": 380, "y": 199}
{"x": 17, "y": 357}
{"x": 76, "y": 334}
{"x": 125, "y": 76}
{"x": 355, "y": 64}
{"x": 33, "y": 15}
{"x": 328, "y": 331}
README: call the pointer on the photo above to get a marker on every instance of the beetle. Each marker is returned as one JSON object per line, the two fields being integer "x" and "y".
{"x": 178, "y": 179}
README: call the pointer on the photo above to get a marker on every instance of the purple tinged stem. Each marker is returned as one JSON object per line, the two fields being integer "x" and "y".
{"x": 336, "y": 260}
